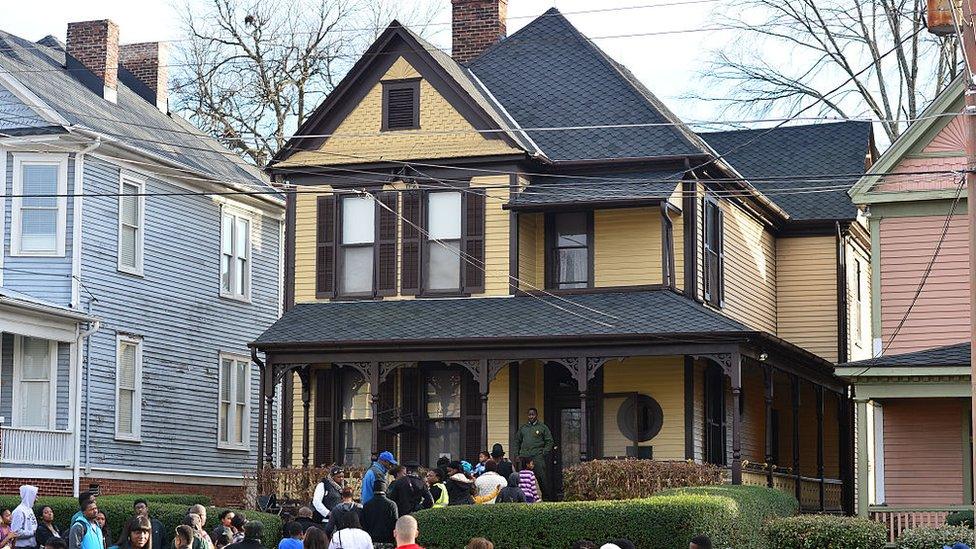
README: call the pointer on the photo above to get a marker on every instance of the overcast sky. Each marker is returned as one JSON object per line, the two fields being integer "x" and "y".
{"x": 665, "y": 63}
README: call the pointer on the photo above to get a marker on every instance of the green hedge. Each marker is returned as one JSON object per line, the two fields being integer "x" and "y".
{"x": 937, "y": 537}
{"x": 961, "y": 518}
{"x": 170, "y": 509}
{"x": 665, "y": 521}
{"x": 633, "y": 478}
{"x": 757, "y": 505}
{"x": 825, "y": 532}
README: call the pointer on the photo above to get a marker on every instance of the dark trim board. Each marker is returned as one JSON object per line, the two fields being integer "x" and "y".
{"x": 582, "y": 205}
{"x": 291, "y": 200}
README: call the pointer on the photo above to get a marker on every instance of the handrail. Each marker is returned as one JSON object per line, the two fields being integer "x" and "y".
{"x": 35, "y": 430}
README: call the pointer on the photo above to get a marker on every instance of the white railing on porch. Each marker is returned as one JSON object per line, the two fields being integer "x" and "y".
{"x": 26, "y": 446}
{"x": 899, "y": 519}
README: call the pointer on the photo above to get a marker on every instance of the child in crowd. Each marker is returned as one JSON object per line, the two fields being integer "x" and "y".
{"x": 511, "y": 493}
{"x": 527, "y": 481}
{"x": 293, "y": 536}
{"x": 479, "y": 469}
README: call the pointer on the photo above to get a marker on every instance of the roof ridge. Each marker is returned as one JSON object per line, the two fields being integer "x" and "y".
{"x": 551, "y": 12}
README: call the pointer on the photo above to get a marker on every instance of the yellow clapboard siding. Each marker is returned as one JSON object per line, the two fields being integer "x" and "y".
{"x": 663, "y": 379}
{"x": 750, "y": 270}
{"x": 626, "y": 247}
{"x": 358, "y": 137}
{"x": 531, "y": 383}
{"x": 807, "y": 293}
{"x": 499, "y": 406}
{"x": 305, "y": 235}
{"x": 528, "y": 256}
{"x": 496, "y": 233}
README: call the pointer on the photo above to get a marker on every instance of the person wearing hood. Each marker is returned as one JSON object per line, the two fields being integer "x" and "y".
{"x": 327, "y": 494}
{"x": 460, "y": 487}
{"x": 23, "y": 523}
{"x": 511, "y": 493}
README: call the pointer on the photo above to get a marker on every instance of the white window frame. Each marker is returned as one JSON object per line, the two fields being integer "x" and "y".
{"x": 52, "y": 416}
{"x": 245, "y": 444}
{"x": 245, "y": 293}
{"x": 136, "y": 434}
{"x": 858, "y": 299}
{"x": 20, "y": 159}
{"x": 127, "y": 179}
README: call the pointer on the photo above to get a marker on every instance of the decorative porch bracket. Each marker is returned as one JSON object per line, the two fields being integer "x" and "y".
{"x": 270, "y": 378}
{"x": 583, "y": 369}
{"x": 484, "y": 372}
{"x": 731, "y": 364}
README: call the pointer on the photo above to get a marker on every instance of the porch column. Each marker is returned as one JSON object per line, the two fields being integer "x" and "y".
{"x": 583, "y": 380}
{"x": 483, "y": 384}
{"x": 261, "y": 388}
{"x": 820, "y": 444}
{"x": 736, "y": 418}
{"x": 304, "y": 373}
{"x": 861, "y": 407}
{"x": 768, "y": 386}
{"x": 845, "y": 452}
{"x": 374, "y": 400}
{"x": 795, "y": 381}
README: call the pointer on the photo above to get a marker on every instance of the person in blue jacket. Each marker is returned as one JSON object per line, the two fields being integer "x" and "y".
{"x": 377, "y": 472}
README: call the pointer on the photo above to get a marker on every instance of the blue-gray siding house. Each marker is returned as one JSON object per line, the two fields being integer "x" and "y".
{"x": 139, "y": 258}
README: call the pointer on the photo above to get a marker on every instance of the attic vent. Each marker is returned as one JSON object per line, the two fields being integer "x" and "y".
{"x": 401, "y": 104}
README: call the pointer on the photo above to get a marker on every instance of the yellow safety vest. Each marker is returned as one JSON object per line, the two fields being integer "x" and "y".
{"x": 441, "y": 500}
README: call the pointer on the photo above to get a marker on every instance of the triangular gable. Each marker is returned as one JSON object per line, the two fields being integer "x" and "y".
{"x": 457, "y": 119}
{"x": 933, "y": 143}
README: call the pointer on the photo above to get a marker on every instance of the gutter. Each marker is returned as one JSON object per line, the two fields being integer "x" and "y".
{"x": 78, "y": 210}
{"x": 93, "y": 327}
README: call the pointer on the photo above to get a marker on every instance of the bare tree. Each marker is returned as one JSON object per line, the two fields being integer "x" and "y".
{"x": 813, "y": 53}
{"x": 251, "y": 71}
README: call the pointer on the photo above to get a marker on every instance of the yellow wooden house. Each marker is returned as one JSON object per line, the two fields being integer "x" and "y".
{"x": 525, "y": 225}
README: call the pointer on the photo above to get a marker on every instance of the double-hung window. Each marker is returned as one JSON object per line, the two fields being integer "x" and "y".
{"x": 856, "y": 316}
{"x": 235, "y": 256}
{"x": 234, "y": 413}
{"x": 39, "y": 205}
{"x": 128, "y": 388}
{"x": 443, "y": 265}
{"x": 569, "y": 262}
{"x": 356, "y": 245}
{"x": 35, "y": 380}
{"x": 131, "y": 220}
{"x": 443, "y": 396}
{"x": 714, "y": 252}
{"x": 355, "y": 422}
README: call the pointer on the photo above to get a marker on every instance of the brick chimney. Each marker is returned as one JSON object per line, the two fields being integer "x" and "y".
{"x": 94, "y": 45}
{"x": 147, "y": 75}
{"x": 475, "y": 26}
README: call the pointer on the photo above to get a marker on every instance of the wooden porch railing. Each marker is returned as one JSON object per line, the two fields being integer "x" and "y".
{"x": 27, "y": 446}
{"x": 899, "y": 519}
{"x": 809, "y": 489}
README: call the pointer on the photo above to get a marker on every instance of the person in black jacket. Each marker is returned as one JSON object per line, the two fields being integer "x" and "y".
{"x": 505, "y": 466}
{"x": 380, "y": 514}
{"x": 158, "y": 538}
{"x": 460, "y": 487}
{"x": 511, "y": 493}
{"x": 410, "y": 492}
{"x": 327, "y": 494}
{"x": 347, "y": 505}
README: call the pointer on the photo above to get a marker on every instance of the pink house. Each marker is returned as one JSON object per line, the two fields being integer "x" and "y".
{"x": 913, "y": 435}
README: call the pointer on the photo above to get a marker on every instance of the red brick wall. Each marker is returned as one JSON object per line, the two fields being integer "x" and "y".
{"x": 95, "y": 44}
{"x": 221, "y": 495}
{"x": 46, "y": 487}
{"x": 475, "y": 26}
{"x": 147, "y": 62}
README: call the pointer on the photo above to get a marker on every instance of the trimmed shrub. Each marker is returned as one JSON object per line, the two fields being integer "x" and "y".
{"x": 934, "y": 537}
{"x": 661, "y": 521}
{"x": 960, "y": 518}
{"x": 604, "y": 479}
{"x": 757, "y": 505}
{"x": 825, "y": 532}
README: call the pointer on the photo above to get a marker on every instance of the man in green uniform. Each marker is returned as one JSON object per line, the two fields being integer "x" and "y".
{"x": 534, "y": 440}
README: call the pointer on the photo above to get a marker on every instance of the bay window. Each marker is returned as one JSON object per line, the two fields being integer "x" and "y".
{"x": 356, "y": 245}
{"x": 355, "y": 420}
{"x": 443, "y": 407}
{"x": 569, "y": 257}
{"x": 443, "y": 264}
{"x": 39, "y": 207}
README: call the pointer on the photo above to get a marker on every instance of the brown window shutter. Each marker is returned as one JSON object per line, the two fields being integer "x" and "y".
{"x": 386, "y": 243}
{"x": 325, "y": 245}
{"x": 387, "y": 440}
{"x": 324, "y": 453}
{"x": 470, "y": 417}
{"x": 410, "y": 263}
{"x": 410, "y": 403}
{"x": 473, "y": 261}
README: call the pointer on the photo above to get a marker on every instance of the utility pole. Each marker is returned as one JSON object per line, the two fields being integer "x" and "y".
{"x": 947, "y": 17}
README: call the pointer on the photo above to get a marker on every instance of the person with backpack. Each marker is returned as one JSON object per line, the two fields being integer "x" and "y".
{"x": 410, "y": 492}
{"x": 85, "y": 532}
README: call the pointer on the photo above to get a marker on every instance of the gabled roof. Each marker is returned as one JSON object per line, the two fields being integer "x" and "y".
{"x": 776, "y": 160}
{"x": 949, "y": 355}
{"x": 459, "y": 79}
{"x": 548, "y": 74}
{"x": 40, "y": 67}
{"x": 948, "y": 102}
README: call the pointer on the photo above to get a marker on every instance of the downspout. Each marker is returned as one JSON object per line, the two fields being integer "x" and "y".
{"x": 842, "y": 301}
{"x": 86, "y": 334}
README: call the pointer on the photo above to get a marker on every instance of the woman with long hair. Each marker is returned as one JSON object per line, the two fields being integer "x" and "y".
{"x": 137, "y": 534}
{"x": 45, "y": 528}
{"x": 315, "y": 538}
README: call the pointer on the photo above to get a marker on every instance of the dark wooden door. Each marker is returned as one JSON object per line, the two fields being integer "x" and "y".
{"x": 563, "y": 416}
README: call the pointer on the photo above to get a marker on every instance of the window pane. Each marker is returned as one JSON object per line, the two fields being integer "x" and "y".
{"x": 127, "y": 366}
{"x": 227, "y": 234}
{"x": 125, "y": 411}
{"x": 357, "y": 270}
{"x": 570, "y": 229}
{"x": 241, "y": 282}
{"x": 127, "y": 246}
{"x": 444, "y": 215}
{"x": 38, "y": 229}
{"x": 572, "y": 266}
{"x": 225, "y": 264}
{"x": 444, "y": 439}
{"x": 225, "y": 379}
{"x": 36, "y": 359}
{"x": 130, "y": 205}
{"x": 241, "y": 382}
{"x": 224, "y": 421}
{"x": 444, "y": 266}
{"x": 444, "y": 394}
{"x": 242, "y": 234}
{"x": 35, "y": 406}
{"x": 239, "y": 423}
{"x": 357, "y": 438}
{"x": 355, "y": 397}
{"x": 40, "y": 179}
{"x": 357, "y": 220}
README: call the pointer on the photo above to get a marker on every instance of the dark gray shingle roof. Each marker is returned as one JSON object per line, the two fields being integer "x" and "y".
{"x": 549, "y": 75}
{"x": 634, "y": 313}
{"x": 950, "y": 355}
{"x": 810, "y": 151}
{"x": 648, "y": 184}
{"x": 132, "y": 120}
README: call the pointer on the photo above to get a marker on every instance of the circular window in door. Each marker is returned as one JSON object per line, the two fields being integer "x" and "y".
{"x": 640, "y": 417}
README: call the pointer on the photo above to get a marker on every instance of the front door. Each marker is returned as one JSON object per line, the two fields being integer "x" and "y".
{"x": 563, "y": 416}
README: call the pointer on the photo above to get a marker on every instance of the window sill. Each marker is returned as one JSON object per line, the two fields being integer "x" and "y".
{"x": 236, "y": 297}
{"x": 131, "y": 271}
{"x": 22, "y": 253}
{"x": 233, "y": 447}
{"x": 129, "y": 438}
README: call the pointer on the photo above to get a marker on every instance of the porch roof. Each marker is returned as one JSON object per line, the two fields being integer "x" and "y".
{"x": 651, "y": 312}
{"x": 648, "y": 185}
{"x": 948, "y": 355}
